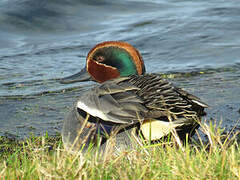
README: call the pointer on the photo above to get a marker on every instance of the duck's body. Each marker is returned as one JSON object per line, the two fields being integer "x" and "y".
{"x": 130, "y": 99}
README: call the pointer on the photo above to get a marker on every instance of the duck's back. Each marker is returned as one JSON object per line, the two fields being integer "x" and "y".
{"x": 168, "y": 103}
{"x": 164, "y": 99}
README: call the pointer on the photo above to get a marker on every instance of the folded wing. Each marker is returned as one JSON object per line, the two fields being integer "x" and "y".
{"x": 115, "y": 101}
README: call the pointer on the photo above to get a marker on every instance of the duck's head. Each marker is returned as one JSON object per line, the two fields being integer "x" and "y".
{"x": 109, "y": 60}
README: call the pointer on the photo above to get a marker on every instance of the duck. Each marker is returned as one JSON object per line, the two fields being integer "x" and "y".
{"x": 127, "y": 102}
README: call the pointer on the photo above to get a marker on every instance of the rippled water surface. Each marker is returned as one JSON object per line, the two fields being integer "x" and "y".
{"x": 196, "y": 42}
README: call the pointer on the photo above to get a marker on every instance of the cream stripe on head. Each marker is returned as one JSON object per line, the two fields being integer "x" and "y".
{"x": 137, "y": 58}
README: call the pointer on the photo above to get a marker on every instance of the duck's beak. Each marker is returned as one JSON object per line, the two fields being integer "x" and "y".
{"x": 78, "y": 77}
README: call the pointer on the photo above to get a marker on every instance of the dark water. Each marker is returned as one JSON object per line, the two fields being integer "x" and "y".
{"x": 197, "y": 42}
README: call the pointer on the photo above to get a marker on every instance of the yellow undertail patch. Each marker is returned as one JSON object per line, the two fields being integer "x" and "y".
{"x": 155, "y": 129}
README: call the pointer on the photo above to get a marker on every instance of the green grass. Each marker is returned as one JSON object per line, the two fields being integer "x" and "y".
{"x": 45, "y": 158}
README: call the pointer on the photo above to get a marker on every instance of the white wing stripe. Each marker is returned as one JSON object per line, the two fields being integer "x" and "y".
{"x": 92, "y": 111}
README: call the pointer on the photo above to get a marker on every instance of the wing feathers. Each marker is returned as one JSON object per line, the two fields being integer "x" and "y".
{"x": 114, "y": 102}
{"x": 130, "y": 99}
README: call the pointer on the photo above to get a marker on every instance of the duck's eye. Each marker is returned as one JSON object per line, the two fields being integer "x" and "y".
{"x": 100, "y": 59}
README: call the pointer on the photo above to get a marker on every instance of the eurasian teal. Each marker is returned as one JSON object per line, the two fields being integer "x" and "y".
{"x": 127, "y": 99}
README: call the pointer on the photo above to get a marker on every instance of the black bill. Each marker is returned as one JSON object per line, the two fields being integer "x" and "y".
{"x": 78, "y": 77}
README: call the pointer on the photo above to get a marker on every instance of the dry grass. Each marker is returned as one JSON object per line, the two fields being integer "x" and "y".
{"x": 41, "y": 158}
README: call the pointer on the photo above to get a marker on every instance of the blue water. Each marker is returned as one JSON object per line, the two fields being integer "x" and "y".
{"x": 42, "y": 41}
